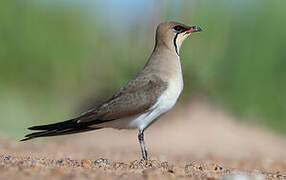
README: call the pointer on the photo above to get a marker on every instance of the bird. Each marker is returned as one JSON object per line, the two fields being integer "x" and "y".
{"x": 143, "y": 100}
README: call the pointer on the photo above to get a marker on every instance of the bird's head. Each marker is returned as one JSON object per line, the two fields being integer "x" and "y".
{"x": 172, "y": 34}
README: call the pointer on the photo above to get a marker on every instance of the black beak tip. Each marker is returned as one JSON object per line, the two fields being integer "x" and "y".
{"x": 197, "y": 29}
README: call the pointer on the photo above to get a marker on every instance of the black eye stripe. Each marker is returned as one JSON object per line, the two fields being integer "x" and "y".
{"x": 179, "y": 28}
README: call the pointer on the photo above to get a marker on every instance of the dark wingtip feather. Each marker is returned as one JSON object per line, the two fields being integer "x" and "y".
{"x": 33, "y": 128}
{"x": 26, "y": 139}
{"x": 61, "y": 128}
{"x": 60, "y": 125}
{"x": 43, "y": 127}
{"x": 35, "y": 134}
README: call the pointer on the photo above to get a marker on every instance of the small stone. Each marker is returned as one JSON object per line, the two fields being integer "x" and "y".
{"x": 85, "y": 163}
{"x": 60, "y": 161}
{"x": 101, "y": 160}
{"x": 117, "y": 165}
{"x": 7, "y": 158}
{"x": 165, "y": 165}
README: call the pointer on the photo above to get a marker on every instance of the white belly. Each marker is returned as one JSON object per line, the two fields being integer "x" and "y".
{"x": 164, "y": 104}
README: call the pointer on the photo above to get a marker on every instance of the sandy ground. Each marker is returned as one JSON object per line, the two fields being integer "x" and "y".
{"x": 195, "y": 141}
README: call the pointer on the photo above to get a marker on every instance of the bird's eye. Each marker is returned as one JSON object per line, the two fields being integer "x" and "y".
{"x": 179, "y": 28}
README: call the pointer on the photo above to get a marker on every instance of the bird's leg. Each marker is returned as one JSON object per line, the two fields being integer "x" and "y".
{"x": 142, "y": 144}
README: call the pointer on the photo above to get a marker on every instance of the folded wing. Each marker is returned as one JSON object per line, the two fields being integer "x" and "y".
{"x": 138, "y": 96}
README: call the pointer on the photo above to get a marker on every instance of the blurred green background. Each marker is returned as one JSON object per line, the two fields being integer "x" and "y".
{"x": 58, "y": 56}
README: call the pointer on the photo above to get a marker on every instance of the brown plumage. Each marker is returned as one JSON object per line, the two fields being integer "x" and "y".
{"x": 153, "y": 92}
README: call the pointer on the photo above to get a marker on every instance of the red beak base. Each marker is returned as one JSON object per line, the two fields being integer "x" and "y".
{"x": 193, "y": 29}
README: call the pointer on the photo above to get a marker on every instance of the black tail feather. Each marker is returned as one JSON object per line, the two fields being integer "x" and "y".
{"x": 41, "y": 133}
{"x": 62, "y": 128}
{"x": 56, "y": 133}
{"x": 38, "y": 134}
{"x": 60, "y": 125}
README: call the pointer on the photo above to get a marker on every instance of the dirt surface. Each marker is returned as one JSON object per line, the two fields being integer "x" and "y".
{"x": 198, "y": 141}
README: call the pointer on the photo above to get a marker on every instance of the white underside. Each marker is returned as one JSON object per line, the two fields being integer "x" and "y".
{"x": 164, "y": 104}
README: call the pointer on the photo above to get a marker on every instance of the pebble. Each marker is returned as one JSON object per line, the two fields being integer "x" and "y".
{"x": 85, "y": 163}
{"x": 7, "y": 158}
{"x": 101, "y": 160}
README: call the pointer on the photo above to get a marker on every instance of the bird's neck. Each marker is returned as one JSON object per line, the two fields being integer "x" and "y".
{"x": 164, "y": 61}
{"x": 167, "y": 48}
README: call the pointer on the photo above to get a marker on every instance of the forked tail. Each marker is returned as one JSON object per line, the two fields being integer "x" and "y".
{"x": 62, "y": 128}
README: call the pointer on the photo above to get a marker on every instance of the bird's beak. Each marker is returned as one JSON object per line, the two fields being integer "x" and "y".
{"x": 193, "y": 29}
